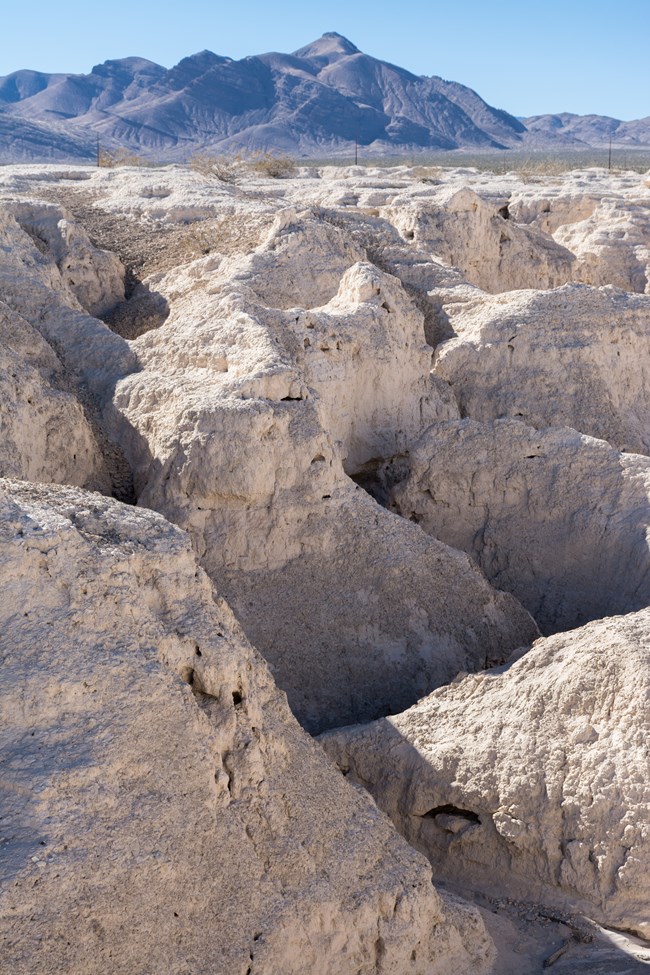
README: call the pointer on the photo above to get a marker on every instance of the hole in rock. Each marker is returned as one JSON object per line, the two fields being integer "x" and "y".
{"x": 237, "y": 698}
{"x": 142, "y": 310}
{"x": 504, "y": 212}
{"x": 449, "y": 810}
{"x": 291, "y": 399}
{"x": 378, "y": 476}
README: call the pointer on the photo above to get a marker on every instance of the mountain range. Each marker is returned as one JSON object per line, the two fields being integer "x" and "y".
{"x": 319, "y": 101}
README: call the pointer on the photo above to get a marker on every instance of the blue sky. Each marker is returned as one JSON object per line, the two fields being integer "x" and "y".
{"x": 528, "y": 58}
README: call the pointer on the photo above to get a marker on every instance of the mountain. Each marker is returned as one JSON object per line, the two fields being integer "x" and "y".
{"x": 321, "y": 99}
{"x": 318, "y": 101}
{"x": 588, "y": 131}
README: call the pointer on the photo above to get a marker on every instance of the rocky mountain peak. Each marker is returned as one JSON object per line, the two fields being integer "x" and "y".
{"x": 330, "y": 47}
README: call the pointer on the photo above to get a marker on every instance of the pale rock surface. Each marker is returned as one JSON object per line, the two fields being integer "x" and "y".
{"x": 161, "y": 807}
{"x": 266, "y": 384}
{"x": 34, "y": 286}
{"x": 608, "y": 230}
{"x": 555, "y": 517}
{"x": 293, "y": 360}
{"x": 76, "y": 357}
{"x": 576, "y": 356}
{"x": 530, "y": 780}
{"x": 612, "y": 245}
{"x": 478, "y": 237}
{"x": 44, "y": 434}
{"x": 93, "y": 276}
{"x": 275, "y": 374}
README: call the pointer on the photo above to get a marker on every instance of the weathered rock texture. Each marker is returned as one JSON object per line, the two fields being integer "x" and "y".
{"x": 478, "y": 237}
{"x": 273, "y": 376}
{"x": 239, "y": 418}
{"x": 44, "y": 434}
{"x": 161, "y": 807}
{"x": 557, "y": 518}
{"x": 576, "y": 356}
{"x": 530, "y": 781}
{"x": 264, "y": 381}
{"x": 612, "y": 245}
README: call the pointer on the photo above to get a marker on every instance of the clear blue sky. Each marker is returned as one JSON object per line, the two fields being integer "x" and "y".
{"x": 529, "y": 58}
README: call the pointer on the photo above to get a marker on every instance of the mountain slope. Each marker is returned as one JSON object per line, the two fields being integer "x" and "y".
{"x": 589, "y": 130}
{"x": 321, "y": 100}
{"x": 323, "y": 97}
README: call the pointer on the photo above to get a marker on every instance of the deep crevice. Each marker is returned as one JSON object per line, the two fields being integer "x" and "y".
{"x": 378, "y": 476}
{"x": 449, "y": 810}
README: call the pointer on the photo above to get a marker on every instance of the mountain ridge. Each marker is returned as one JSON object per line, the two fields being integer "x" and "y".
{"x": 322, "y": 99}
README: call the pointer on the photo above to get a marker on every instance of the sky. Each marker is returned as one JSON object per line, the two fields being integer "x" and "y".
{"x": 528, "y": 58}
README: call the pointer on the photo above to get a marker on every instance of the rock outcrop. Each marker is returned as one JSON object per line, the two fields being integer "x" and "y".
{"x": 260, "y": 378}
{"x": 557, "y": 518}
{"x": 161, "y": 807}
{"x": 530, "y": 780}
{"x": 490, "y": 250}
{"x": 575, "y": 356}
{"x": 44, "y": 433}
{"x": 269, "y": 381}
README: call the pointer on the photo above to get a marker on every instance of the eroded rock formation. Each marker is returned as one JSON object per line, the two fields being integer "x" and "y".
{"x": 529, "y": 780}
{"x": 576, "y": 356}
{"x": 557, "y": 518}
{"x": 261, "y": 376}
{"x": 157, "y": 789}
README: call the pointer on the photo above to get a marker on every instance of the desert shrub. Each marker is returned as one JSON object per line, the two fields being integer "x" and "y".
{"x": 120, "y": 157}
{"x": 278, "y": 167}
{"x": 224, "y": 168}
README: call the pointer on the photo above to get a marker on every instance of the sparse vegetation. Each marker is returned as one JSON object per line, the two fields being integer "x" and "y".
{"x": 227, "y": 169}
{"x": 120, "y": 157}
{"x": 278, "y": 167}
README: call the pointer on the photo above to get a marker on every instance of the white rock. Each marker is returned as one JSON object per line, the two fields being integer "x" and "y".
{"x": 44, "y": 434}
{"x": 240, "y": 426}
{"x": 576, "y": 356}
{"x": 546, "y": 762}
{"x": 559, "y": 519}
{"x": 159, "y": 802}
{"x": 478, "y": 237}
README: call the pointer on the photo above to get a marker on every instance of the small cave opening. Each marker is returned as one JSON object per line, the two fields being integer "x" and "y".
{"x": 449, "y": 810}
{"x": 142, "y": 310}
{"x": 378, "y": 476}
{"x": 504, "y": 212}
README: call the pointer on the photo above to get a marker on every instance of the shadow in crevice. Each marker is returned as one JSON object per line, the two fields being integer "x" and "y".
{"x": 378, "y": 476}
{"x": 142, "y": 310}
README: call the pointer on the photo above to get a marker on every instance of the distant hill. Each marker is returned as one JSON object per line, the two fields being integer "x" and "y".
{"x": 318, "y": 101}
{"x": 587, "y": 131}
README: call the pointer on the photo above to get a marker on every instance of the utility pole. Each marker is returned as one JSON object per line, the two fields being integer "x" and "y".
{"x": 356, "y": 153}
{"x": 609, "y": 161}
{"x": 98, "y": 152}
